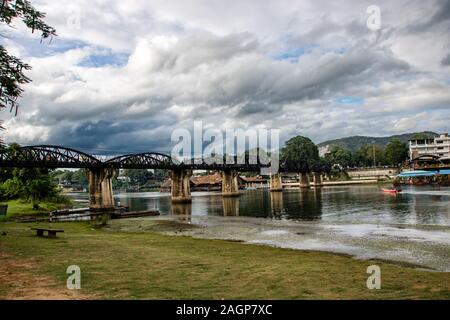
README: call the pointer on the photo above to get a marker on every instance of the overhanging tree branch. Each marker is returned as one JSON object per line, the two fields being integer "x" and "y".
{"x": 11, "y": 68}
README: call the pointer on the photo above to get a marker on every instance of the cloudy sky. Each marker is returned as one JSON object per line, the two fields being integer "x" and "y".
{"x": 122, "y": 75}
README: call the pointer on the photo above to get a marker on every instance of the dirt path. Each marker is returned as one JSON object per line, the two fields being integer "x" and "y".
{"x": 19, "y": 281}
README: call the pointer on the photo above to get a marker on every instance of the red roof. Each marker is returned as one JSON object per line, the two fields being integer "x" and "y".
{"x": 212, "y": 179}
{"x": 254, "y": 179}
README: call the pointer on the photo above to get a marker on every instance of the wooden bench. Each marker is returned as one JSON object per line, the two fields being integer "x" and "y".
{"x": 51, "y": 233}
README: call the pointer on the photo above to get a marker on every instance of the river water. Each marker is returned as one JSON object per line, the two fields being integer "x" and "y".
{"x": 412, "y": 227}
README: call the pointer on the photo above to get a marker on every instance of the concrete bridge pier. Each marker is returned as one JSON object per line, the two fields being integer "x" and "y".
{"x": 304, "y": 180}
{"x": 276, "y": 183}
{"x": 230, "y": 183}
{"x": 317, "y": 180}
{"x": 100, "y": 189}
{"x": 181, "y": 188}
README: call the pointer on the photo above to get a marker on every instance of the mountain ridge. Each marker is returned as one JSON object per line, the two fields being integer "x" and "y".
{"x": 353, "y": 143}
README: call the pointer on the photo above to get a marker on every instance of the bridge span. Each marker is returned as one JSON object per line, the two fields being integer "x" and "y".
{"x": 100, "y": 173}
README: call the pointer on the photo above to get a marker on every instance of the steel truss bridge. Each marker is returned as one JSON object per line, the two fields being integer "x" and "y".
{"x": 49, "y": 156}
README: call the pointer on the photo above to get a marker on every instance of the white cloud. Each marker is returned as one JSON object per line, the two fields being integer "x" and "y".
{"x": 223, "y": 63}
{"x": 25, "y": 133}
{"x": 409, "y": 123}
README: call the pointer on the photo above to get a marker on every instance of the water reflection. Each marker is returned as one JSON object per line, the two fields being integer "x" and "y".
{"x": 255, "y": 203}
{"x": 182, "y": 209}
{"x": 415, "y": 205}
{"x": 276, "y": 204}
{"x": 303, "y": 204}
{"x": 420, "y": 208}
{"x": 230, "y": 206}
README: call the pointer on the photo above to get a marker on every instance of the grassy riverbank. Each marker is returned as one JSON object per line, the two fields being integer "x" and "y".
{"x": 21, "y": 207}
{"x": 148, "y": 265}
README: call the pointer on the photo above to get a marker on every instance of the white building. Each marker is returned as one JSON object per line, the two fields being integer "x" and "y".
{"x": 324, "y": 150}
{"x": 438, "y": 146}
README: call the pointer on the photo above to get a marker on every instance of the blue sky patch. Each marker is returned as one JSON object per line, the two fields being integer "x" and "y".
{"x": 355, "y": 101}
{"x": 104, "y": 59}
{"x": 101, "y": 57}
{"x": 294, "y": 54}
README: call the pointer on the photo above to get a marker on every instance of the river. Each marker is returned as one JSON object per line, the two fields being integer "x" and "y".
{"x": 412, "y": 227}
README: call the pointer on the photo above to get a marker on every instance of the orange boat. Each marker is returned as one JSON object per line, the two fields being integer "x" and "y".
{"x": 391, "y": 191}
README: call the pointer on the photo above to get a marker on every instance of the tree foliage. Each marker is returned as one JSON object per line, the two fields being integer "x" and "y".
{"x": 396, "y": 152}
{"x": 138, "y": 176}
{"x": 354, "y": 143}
{"x": 422, "y": 136}
{"x": 369, "y": 155}
{"x": 300, "y": 149}
{"x": 31, "y": 184}
{"x": 161, "y": 174}
{"x": 339, "y": 156}
{"x": 393, "y": 155}
{"x": 11, "y": 68}
{"x": 79, "y": 177}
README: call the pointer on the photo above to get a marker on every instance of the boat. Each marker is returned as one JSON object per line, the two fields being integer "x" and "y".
{"x": 391, "y": 191}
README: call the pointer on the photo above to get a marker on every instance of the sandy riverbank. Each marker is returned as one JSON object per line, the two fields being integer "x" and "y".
{"x": 423, "y": 246}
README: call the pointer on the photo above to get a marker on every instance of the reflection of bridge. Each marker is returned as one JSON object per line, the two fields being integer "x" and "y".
{"x": 101, "y": 172}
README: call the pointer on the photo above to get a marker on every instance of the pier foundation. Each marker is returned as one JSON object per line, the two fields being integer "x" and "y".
{"x": 304, "y": 180}
{"x": 276, "y": 183}
{"x": 230, "y": 183}
{"x": 100, "y": 189}
{"x": 181, "y": 187}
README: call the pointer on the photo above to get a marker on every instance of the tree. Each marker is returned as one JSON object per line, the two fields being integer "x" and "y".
{"x": 161, "y": 174}
{"x": 138, "y": 176}
{"x": 396, "y": 152}
{"x": 7, "y": 173}
{"x": 301, "y": 150}
{"x": 79, "y": 178}
{"x": 364, "y": 156}
{"x": 340, "y": 156}
{"x": 32, "y": 184}
{"x": 11, "y": 68}
{"x": 62, "y": 176}
{"x": 422, "y": 136}
{"x": 360, "y": 158}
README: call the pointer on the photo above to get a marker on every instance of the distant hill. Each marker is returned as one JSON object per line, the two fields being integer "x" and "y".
{"x": 355, "y": 142}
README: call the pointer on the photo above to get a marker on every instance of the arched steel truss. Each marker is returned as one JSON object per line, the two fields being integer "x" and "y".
{"x": 150, "y": 160}
{"x": 50, "y": 156}
{"x": 47, "y": 156}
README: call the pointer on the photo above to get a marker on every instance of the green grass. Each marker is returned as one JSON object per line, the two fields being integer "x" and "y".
{"x": 22, "y": 207}
{"x": 148, "y": 265}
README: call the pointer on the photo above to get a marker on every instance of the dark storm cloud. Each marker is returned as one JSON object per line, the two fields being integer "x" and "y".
{"x": 252, "y": 108}
{"x": 446, "y": 60}
{"x": 441, "y": 17}
{"x": 105, "y": 137}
